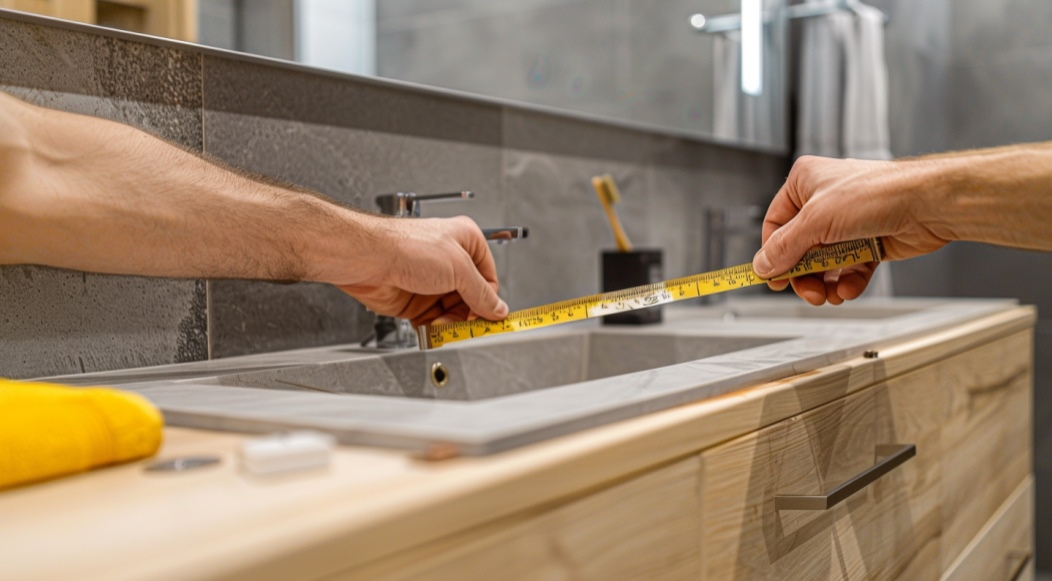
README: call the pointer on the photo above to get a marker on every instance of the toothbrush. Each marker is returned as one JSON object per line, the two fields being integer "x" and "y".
{"x": 606, "y": 189}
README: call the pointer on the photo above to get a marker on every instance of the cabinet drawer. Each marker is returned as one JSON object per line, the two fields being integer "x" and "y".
{"x": 968, "y": 416}
{"x": 1003, "y": 549}
{"x": 889, "y": 528}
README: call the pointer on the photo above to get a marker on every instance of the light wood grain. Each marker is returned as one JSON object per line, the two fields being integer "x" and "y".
{"x": 1007, "y": 538}
{"x": 889, "y": 528}
{"x": 986, "y": 442}
{"x": 960, "y": 412}
{"x": 122, "y": 523}
{"x": 645, "y": 528}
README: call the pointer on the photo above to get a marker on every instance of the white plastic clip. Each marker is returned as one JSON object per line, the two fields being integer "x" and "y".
{"x": 287, "y": 452}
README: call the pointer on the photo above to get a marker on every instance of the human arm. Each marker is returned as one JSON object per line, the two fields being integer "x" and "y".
{"x": 1000, "y": 196}
{"x": 88, "y": 194}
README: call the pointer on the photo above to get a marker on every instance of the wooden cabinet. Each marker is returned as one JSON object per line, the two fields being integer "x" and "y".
{"x": 958, "y": 508}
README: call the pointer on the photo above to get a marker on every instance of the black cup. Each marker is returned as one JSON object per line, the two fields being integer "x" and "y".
{"x": 623, "y": 270}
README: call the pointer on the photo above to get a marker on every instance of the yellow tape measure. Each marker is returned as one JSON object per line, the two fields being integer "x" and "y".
{"x": 831, "y": 257}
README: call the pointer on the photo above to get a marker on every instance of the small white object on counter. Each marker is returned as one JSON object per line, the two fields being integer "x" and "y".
{"x": 287, "y": 452}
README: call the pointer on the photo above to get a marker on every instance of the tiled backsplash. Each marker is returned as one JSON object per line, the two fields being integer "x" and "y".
{"x": 351, "y": 139}
{"x": 54, "y": 321}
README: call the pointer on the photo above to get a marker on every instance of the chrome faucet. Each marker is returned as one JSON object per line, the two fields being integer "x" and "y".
{"x": 398, "y": 333}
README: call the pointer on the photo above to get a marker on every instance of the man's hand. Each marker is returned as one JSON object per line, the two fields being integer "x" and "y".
{"x": 829, "y": 200}
{"x": 427, "y": 271}
{"x": 88, "y": 194}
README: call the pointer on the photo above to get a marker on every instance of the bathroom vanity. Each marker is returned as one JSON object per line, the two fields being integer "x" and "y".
{"x": 702, "y": 448}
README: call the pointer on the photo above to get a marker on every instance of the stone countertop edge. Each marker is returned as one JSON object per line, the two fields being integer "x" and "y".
{"x": 491, "y": 425}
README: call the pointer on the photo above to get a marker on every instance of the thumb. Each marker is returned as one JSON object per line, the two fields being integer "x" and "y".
{"x": 479, "y": 294}
{"x": 784, "y": 249}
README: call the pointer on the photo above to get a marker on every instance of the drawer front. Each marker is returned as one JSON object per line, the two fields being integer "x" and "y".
{"x": 969, "y": 417}
{"x": 643, "y": 528}
{"x": 889, "y": 528}
{"x": 1004, "y": 548}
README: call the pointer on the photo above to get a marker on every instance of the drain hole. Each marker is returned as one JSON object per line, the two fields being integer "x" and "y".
{"x": 439, "y": 375}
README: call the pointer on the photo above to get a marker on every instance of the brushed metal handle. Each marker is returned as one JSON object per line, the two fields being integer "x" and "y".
{"x": 891, "y": 456}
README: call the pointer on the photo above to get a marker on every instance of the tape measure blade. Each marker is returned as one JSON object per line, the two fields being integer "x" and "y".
{"x": 840, "y": 255}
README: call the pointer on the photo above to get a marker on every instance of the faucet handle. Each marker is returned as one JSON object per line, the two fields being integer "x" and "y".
{"x": 407, "y": 204}
{"x": 446, "y": 196}
{"x": 505, "y": 235}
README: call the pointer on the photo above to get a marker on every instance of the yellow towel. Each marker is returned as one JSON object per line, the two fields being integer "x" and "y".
{"x": 51, "y": 430}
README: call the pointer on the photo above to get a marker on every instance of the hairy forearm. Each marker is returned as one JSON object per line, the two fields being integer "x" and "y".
{"x": 88, "y": 194}
{"x": 1000, "y": 195}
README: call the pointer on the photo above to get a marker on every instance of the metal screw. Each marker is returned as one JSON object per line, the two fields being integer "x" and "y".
{"x": 871, "y": 354}
{"x": 182, "y": 464}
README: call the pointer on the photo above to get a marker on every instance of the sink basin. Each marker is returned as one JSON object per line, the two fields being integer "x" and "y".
{"x": 498, "y": 393}
{"x": 488, "y": 370}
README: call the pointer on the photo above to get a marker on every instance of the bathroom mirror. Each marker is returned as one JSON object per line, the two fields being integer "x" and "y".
{"x": 634, "y": 61}
{"x": 638, "y": 61}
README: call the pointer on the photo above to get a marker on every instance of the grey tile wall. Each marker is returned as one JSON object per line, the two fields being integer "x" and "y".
{"x": 217, "y": 23}
{"x": 918, "y": 51}
{"x": 1002, "y": 99}
{"x": 320, "y": 98}
{"x": 350, "y": 139}
{"x": 350, "y": 142}
{"x": 1001, "y": 72}
{"x": 554, "y": 196}
{"x": 54, "y": 321}
{"x": 527, "y": 169}
{"x": 266, "y": 28}
{"x": 666, "y": 184}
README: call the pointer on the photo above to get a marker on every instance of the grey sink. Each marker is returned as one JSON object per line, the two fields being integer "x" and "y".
{"x": 508, "y": 391}
{"x": 487, "y": 370}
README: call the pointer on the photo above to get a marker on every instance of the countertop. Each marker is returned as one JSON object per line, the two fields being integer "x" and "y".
{"x": 122, "y": 522}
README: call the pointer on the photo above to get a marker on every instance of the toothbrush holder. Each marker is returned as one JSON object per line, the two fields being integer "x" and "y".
{"x": 621, "y": 270}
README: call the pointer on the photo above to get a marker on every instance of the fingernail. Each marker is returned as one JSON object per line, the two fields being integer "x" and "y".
{"x": 761, "y": 264}
{"x": 502, "y": 309}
